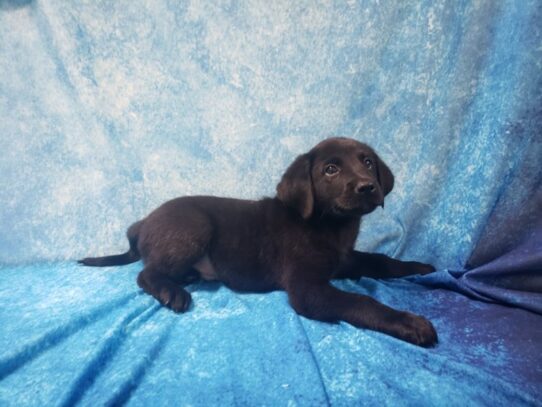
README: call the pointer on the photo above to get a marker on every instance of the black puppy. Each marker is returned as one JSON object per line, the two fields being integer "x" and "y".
{"x": 295, "y": 242}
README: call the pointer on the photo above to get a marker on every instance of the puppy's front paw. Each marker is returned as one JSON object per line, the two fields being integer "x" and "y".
{"x": 417, "y": 330}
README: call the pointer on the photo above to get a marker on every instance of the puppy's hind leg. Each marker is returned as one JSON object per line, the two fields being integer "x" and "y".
{"x": 164, "y": 289}
{"x": 171, "y": 245}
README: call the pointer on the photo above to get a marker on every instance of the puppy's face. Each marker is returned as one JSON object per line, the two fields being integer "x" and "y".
{"x": 346, "y": 178}
{"x": 339, "y": 177}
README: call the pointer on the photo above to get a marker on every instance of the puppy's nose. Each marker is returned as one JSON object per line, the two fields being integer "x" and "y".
{"x": 365, "y": 187}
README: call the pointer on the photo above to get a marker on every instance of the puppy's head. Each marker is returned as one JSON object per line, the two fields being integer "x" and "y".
{"x": 339, "y": 177}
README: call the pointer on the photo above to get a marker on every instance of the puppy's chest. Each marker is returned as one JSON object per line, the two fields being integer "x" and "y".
{"x": 335, "y": 244}
{"x": 345, "y": 247}
{"x": 344, "y": 239}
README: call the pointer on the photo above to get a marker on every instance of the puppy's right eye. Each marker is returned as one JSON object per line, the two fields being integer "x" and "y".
{"x": 331, "y": 169}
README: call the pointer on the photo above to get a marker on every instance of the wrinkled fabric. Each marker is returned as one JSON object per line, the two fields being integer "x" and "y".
{"x": 107, "y": 109}
{"x": 514, "y": 278}
{"x": 70, "y": 334}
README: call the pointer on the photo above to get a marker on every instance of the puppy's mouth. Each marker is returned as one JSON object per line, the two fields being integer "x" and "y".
{"x": 342, "y": 211}
{"x": 356, "y": 208}
{"x": 353, "y": 211}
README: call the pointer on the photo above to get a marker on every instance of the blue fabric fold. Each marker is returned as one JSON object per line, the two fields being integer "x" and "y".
{"x": 514, "y": 279}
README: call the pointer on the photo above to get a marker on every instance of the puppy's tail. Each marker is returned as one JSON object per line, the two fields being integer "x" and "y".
{"x": 130, "y": 256}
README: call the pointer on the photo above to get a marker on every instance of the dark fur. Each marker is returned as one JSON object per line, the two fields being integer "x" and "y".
{"x": 296, "y": 242}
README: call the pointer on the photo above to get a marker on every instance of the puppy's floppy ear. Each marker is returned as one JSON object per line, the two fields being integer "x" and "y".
{"x": 385, "y": 177}
{"x": 295, "y": 187}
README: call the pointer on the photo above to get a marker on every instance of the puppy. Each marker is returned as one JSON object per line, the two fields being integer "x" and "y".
{"x": 297, "y": 241}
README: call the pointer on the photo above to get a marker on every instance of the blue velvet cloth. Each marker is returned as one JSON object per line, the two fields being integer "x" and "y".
{"x": 107, "y": 109}
{"x": 73, "y": 335}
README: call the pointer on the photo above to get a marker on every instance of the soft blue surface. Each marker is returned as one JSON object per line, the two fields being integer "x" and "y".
{"x": 99, "y": 340}
{"x": 107, "y": 109}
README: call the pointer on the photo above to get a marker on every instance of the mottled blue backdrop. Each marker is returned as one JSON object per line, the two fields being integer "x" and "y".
{"x": 109, "y": 108}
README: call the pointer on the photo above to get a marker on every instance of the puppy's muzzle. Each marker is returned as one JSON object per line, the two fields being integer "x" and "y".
{"x": 364, "y": 187}
{"x": 368, "y": 191}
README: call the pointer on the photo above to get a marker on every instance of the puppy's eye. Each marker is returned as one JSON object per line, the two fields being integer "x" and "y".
{"x": 368, "y": 163}
{"x": 331, "y": 169}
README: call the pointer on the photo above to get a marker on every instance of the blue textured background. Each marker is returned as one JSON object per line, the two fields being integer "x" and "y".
{"x": 107, "y": 109}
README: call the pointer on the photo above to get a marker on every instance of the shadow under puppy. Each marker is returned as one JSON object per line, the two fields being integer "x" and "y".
{"x": 297, "y": 242}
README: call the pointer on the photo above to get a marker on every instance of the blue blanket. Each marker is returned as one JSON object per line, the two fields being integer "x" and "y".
{"x": 108, "y": 109}
{"x": 70, "y": 334}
